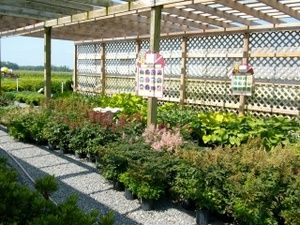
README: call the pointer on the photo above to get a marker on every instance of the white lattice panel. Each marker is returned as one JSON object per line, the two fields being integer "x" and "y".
{"x": 212, "y": 52}
{"x": 209, "y": 60}
{"x": 88, "y": 67}
{"x": 120, "y": 59}
{"x": 276, "y": 68}
{"x": 171, "y": 90}
{"x": 120, "y": 85}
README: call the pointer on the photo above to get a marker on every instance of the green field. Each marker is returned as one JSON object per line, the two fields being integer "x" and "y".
{"x": 34, "y": 80}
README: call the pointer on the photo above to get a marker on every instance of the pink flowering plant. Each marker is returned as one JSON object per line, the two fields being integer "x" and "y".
{"x": 163, "y": 139}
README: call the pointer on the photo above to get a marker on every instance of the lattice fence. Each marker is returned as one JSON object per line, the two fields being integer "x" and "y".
{"x": 274, "y": 56}
{"x": 88, "y": 67}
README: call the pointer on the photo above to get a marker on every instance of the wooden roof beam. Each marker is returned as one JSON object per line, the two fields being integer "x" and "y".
{"x": 41, "y": 7}
{"x": 197, "y": 17}
{"x": 249, "y": 11}
{"x": 65, "y": 4}
{"x": 177, "y": 20}
{"x": 100, "y": 3}
{"x": 222, "y": 14}
{"x": 282, "y": 8}
{"x": 168, "y": 27}
{"x": 26, "y": 13}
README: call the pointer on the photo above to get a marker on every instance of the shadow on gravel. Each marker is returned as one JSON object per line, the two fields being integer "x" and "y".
{"x": 36, "y": 156}
{"x": 3, "y": 129}
{"x": 18, "y": 149}
{"x": 84, "y": 201}
{"x": 57, "y": 164}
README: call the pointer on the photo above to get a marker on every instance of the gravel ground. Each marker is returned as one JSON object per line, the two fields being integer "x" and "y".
{"x": 94, "y": 192}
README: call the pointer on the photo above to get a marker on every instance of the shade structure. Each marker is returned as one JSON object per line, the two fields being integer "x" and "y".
{"x": 82, "y": 20}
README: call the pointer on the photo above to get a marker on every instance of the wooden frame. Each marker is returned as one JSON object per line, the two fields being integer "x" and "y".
{"x": 179, "y": 17}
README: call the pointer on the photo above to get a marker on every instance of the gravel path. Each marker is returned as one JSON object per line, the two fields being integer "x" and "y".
{"x": 94, "y": 192}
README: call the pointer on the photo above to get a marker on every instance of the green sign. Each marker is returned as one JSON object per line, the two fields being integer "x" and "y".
{"x": 242, "y": 84}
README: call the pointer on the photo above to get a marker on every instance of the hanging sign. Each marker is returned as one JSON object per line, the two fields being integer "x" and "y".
{"x": 242, "y": 82}
{"x": 150, "y": 75}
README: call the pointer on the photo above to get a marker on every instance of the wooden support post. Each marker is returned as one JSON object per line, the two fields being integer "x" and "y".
{"x": 0, "y": 70}
{"x": 137, "y": 47}
{"x": 75, "y": 70}
{"x": 47, "y": 62}
{"x": 102, "y": 65}
{"x": 183, "y": 71}
{"x": 137, "y": 52}
{"x": 154, "y": 47}
{"x": 244, "y": 61}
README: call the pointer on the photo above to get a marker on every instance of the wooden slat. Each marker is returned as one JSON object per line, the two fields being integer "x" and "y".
{"x": 65, "y": 4}
{"x": 181, "y": 21}
{"x": 197, "y": 17}
{"x": 222, "y": 14}
{"x": 47, "y": 62}
{"x": 183, "y": 73}
{"x": 249, "y": 11}
{"x": 103, "y": 71}
{"x": 75, "y": 70}
{"x": 282, "y": 8}
{"x": 26, "y": 13}
{"x": 154, "y": 47}
{"x": 245, "y": 60}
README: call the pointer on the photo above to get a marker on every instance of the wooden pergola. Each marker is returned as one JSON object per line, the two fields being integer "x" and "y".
{"x": 103, "y": 20}
{"x": 81, "y": 20}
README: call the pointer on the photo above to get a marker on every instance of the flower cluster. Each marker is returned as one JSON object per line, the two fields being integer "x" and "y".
{"x": 162, "y": 139}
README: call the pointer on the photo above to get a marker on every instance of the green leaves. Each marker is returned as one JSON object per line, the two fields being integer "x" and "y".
{"x": 19, "y": 205}
{"x": 46, "y": 185}
{"x": 222, "y": 129}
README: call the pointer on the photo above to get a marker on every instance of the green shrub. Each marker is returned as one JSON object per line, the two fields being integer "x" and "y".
{"x": 130, "y": 104}
{"x": 34, "y": 81}
{"x": 150, "y": 176}
{"x": 28, "y": 127}
{"x": 46, "y": 185}
{"x": 187, "y": 182}
{"x": 30, "y": 98}
{"x": 89, "y": 136}
{"x": 19, "y": 205}
{"x": 112, "y": 165}
{"x": 290, "y": 206}
{"x": 5, "y": 100}
{"x": 247, "y": 182}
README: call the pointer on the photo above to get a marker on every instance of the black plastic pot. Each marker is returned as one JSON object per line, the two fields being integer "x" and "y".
{"x": 128, "y": 194}
{"x": 202, "y": 217}
{"x": 118, "y": 186}
{"x": 62, "y": 151}
{"x": 147, "y": 204}
{"x": 80, "y": 155}
{"x": 91, "y": 157}
{"x": 51, "y": 147}
{"x": 188, "y": 204}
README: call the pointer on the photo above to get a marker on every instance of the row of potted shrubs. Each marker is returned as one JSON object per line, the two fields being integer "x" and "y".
{"x": 245, "y": 183}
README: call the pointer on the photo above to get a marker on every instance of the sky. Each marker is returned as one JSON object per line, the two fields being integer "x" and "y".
{"x": 30, "y": 51}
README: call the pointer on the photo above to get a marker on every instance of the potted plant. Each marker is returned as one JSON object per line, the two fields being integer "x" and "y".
{"x": 130, "y": 186}
{"x": 147, "y": 182}
{"x": 52, "y": 133}
{"x": 80, "y": 153}
{"x": 111, "y": 166}
{"x": 64, "y": 140}
{"x": 186, "y": 185}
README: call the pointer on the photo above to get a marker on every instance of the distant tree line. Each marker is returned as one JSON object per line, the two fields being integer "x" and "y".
{"x": 15, "y": 66}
